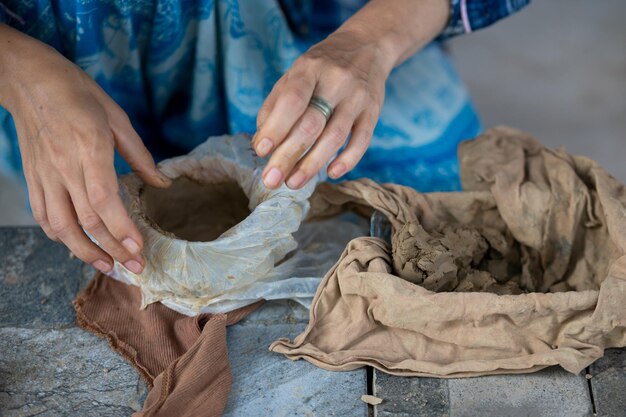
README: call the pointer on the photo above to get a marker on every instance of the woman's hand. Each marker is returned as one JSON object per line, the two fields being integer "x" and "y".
{"x": 350, "y": 74}
{"x": 67, "y": 129}
{"x": 348, "y": 70}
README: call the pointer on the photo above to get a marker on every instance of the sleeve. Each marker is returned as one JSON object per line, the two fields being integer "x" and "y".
{"x": 467, "y": 16}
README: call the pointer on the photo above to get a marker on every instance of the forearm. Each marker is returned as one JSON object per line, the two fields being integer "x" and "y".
{"x": 14, "y": 48}
{"x": 399, "y": 28}
{"x": 10, "y": 42}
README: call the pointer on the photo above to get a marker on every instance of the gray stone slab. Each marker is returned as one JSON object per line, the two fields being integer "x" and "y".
{"x": 608, "y": 383}
{"x": 410, "y": 397}
{"x": 550, "y": 393}
{"x": 38, "y": 280}
{"x": 66, "y": 372}
{"x": 268, "y": 384}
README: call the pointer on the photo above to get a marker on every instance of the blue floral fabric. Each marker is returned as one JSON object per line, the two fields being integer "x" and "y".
{"x": 185, "y": 70}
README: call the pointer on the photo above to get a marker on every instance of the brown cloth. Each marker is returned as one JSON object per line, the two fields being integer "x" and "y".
{"x": 184, "y": 359}
{"x": 538, "y": 223}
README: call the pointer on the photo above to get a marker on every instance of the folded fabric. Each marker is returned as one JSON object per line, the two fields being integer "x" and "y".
{"x": 183, "y": 359}
{"x": 522, "y": 270}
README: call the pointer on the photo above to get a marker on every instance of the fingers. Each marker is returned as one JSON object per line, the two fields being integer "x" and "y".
{"x": 38, "y": 204}
{"x": 357, "y": 146}
{"x": 63, "y": 226}
{"x": 86, "y": 195}
{"x": 268, "y": 104}
{"x": 333, "y": 137}
{"x": 291, "y": 161}
{"x": 285, "y": 157}
{"x": 101, "y": 212}
{"x": 131, "y": 148}
{"x": 291, "y": 101}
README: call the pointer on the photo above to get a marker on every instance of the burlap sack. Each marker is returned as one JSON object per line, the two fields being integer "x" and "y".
{"x": 528, "y": 263}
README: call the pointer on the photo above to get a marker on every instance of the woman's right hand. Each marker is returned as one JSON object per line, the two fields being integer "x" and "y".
{"x": 68, "y": 128}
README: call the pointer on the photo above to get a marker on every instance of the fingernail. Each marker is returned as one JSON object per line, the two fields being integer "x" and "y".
{"x": 131, "y": 246}
{"x": 102, "y": 266}
{"x": 273, "y": 178}
{"x": 264, "y": 147}
{"x": 337, "y": 170}
{"x": 296, "y": 180}
{"x": 134, "y": 266}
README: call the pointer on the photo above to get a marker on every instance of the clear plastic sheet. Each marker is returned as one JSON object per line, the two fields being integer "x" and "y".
{"x": 257, "y": 258}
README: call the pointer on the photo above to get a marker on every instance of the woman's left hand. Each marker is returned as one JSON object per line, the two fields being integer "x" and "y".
{"x": 348, "y": 70}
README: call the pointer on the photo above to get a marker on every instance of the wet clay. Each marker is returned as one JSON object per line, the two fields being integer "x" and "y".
{"x": 193, "y": 211}
{"x": 457, "y": 259}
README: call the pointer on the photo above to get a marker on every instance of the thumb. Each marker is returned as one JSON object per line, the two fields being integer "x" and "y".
{"x": 131, "y": 148}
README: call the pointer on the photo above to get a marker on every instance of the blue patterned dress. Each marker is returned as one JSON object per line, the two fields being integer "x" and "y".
{"x": 184, "y": 70}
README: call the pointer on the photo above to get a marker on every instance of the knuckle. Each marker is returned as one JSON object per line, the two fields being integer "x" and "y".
{"x": 64, "y": 166}
{"x": 98, "y": 194}
{"x": 304, "y": 62}
{"x": 296, "y": 97}
{"x": 40, "y": 217}
{"x": 337, "y": 135}
{"x": 311, "y": 126}
{"x": 361, "y": 95}
{"x": 119, "y": 114}
{"x": 92, "y": 222}
{"x": 59, "y": 225}
{"x": 340, "y": 74}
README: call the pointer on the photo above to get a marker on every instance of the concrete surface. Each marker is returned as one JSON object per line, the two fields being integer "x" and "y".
{"x": 548, "y": 393}
{"x": 267, "y": 384}
{"x": 551, "y": 392}
{"x": 608, "y": 383}
{"x": 49, "y": 367}
{"x": 64, "y": 372}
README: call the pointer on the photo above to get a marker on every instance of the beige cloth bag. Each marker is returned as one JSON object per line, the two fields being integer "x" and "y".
{"x": 528, "y": 261}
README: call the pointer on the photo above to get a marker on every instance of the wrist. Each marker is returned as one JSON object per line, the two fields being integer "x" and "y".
{"x": 376, "y": 48}
{"x": 399, "y": 28}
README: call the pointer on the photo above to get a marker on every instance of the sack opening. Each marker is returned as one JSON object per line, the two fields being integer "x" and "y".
{"x": 194, "y": 211}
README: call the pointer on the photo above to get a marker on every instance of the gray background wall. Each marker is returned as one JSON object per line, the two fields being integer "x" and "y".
{"x": 557, "y": 70}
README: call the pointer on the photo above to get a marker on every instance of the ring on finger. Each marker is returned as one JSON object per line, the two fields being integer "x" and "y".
{"x": 322, "y": 105}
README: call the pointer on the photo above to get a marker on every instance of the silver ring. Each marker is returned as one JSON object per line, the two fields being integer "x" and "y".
{"x": 322, "y": 105}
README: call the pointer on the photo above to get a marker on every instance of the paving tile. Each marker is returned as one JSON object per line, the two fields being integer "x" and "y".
{"x": 410, "y": 397}
{"x": 268, "y": 384}
{"x": 38, "y": 280}
{"x": 552, "y": 392}
{"x": 66, "y": 372}
{"x": 608, "y": 383}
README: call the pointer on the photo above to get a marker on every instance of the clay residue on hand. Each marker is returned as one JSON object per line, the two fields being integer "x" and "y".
{"x": 457, "y": 259}
{"x": 193, "y": 211}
